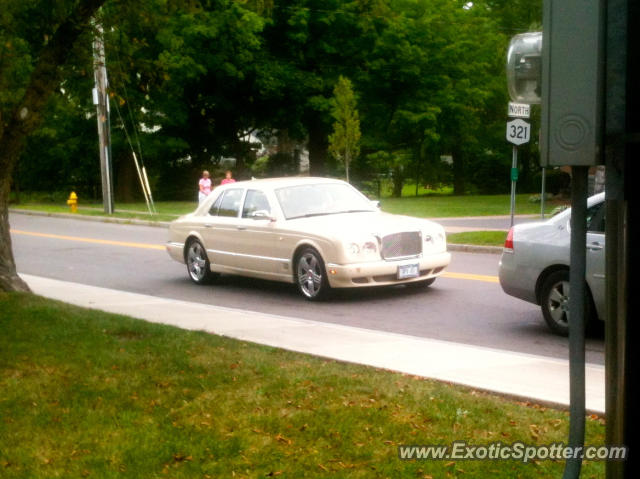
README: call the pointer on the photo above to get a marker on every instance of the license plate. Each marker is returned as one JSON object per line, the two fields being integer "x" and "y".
{"x": 408, "y": 271}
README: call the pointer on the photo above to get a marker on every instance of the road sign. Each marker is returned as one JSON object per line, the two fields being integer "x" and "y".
{"x": 519, "y": 110}
{"x": 518, "y": 131}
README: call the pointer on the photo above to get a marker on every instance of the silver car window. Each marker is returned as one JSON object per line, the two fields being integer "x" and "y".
{"x": 230, "y": 204}
{"x": 255, "y": 201}
{"x": 213, "y": 211}
{"x": 595, "y": 218}
{"x": 321, "y": 199}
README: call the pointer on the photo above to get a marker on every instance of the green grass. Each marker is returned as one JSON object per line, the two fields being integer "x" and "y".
{"x": 409, "y": 190}
{"x": 432, "y": 206}
{"x": 90, "y": 394}
{"x": 442, "y": 206}
{"x": 166, "y": 211}
{"x": 482, "y": 238}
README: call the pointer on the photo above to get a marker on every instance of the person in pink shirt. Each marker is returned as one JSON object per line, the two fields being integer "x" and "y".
{"x": 204, "y": 185}
{"x": 227, "y": 178}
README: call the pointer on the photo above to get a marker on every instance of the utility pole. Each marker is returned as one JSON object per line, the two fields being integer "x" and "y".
{"x": 101, "y": 100}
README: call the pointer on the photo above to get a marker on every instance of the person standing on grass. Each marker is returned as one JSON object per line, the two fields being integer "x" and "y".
{"x": 227, "y": 178}
{"x": 204, "y": 186}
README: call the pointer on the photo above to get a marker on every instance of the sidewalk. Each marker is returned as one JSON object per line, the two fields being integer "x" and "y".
{"x": 528, "y": 377}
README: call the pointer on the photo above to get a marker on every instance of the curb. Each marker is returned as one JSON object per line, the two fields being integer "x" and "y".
{"x": 472, "y": 248}
{"x": 465, "y": 248}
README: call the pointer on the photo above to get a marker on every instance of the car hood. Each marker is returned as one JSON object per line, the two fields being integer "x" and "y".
{"x": 373, "y": 223}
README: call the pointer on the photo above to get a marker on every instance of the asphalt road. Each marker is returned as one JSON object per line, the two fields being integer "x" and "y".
{"x": 468, "y": 306}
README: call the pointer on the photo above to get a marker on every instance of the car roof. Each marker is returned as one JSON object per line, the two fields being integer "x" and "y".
{"x": 592, "y": 200}
{"x": 273, "y": 183}
{"x": 268, "y": 184}
{"x": 597, "y": 198}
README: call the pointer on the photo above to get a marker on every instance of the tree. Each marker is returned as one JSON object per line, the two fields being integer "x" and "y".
{"x": 37, "y": 39}
{"x": 473, "y": 95}
{"x": 344, "y": 142}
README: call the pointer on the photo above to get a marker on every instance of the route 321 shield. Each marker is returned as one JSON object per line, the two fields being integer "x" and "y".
{"x": 518, "y": 131}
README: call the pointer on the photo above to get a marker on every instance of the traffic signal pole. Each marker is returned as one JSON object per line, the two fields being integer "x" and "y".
{"x": 514, "y": 168}
{"x": 622, "y": 216}
{"x": 577, "y": 320}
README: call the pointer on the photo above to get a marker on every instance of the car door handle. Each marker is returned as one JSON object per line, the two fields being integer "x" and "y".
{"x": 208, "y": 225}
{"x": 241, "y": 228}
{"x": 595, "y": 246}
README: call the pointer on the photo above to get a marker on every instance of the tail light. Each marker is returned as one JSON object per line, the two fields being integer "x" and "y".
{"x": 508, "y": 243}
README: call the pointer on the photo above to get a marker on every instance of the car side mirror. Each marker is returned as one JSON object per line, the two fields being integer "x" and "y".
{"x": 376, "y": 203}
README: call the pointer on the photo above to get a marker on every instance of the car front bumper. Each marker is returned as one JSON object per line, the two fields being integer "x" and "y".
{"x": 381, "y": 273}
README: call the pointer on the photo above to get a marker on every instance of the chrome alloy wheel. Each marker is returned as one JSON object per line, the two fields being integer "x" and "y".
{"x": 198, "y": 263}
{"x": 558, "y": 303}
{"x": 310, "y": 273}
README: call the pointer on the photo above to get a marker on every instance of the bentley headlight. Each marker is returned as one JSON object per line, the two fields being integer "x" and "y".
{"x": 369, "y": 247}
{"x": 435, "y": 240}
{"x": 361, "y": 250}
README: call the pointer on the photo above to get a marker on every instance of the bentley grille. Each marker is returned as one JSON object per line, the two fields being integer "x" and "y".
{"x": 402, "y": 245}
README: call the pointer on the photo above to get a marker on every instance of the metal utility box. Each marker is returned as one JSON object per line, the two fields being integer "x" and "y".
{"x": 572, "y": 83}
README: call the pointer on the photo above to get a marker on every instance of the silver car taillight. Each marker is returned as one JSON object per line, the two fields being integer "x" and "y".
{"x": 508, "y": 243}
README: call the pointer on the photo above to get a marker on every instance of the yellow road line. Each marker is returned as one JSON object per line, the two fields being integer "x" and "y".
{"x": 474, "y": 277}
{"x": 448, "y": 274}
{"x": 90, "y": 240}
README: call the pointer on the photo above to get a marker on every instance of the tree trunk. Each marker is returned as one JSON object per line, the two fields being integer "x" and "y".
{"x": 127, "y": 182}
{"x": 347, "y": 160}
{"x": 318, "y": 147}
{"x": 398, "y": 181}
{"x": 9, "y": 279}
{"x": 459, "y": 185}
{"x": 241, "y": 151}
{"x": 27, "y": 116}
{"x": 418, "y": 155}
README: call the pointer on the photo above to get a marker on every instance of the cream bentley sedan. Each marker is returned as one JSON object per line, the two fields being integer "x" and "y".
{"x": 317, "y": 233}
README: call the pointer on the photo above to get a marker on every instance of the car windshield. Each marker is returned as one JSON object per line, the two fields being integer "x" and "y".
{"x": 321, "y": 199}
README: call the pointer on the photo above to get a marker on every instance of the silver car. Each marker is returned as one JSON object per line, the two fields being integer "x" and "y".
{"x": 535, "y": 264}
{"x": 317, "y": 233}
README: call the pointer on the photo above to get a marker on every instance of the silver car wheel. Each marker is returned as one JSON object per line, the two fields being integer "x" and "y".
{"x": 310, "y": 274}
{"x": 554, "y": 300}
{"x": 197, "y": 262}
{"x": 558, "y": 303}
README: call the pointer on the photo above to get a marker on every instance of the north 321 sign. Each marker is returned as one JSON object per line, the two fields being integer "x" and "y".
{"x": 518, "y": 131}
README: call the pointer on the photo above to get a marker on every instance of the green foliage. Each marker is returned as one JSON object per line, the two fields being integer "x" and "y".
{"x": 189, "y": 80}
{"x": 56, "y": 155}
{"x": 344, "y": 142}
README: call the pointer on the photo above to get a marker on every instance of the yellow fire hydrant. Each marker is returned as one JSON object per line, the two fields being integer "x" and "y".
{"x": 73, "y": 202}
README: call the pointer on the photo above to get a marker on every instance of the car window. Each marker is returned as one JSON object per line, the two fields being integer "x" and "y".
{"x": 230, "y": 204}
{"x": 321, "y": 199}
{"x": 213, "y": 211}
{"x": 595, "y": 218}
{"x": 255, "y": 201}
